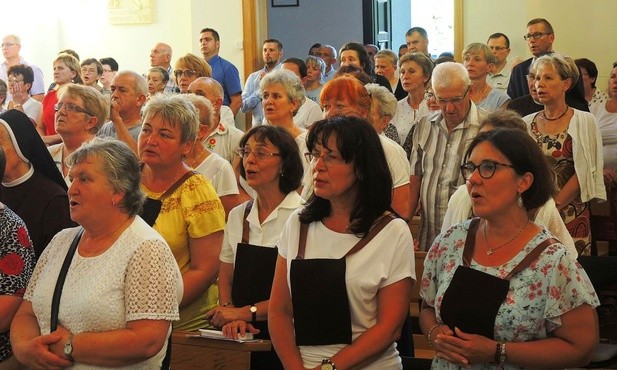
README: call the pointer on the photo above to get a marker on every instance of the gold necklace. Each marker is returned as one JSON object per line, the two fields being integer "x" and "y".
{"x": 490, "y": 250}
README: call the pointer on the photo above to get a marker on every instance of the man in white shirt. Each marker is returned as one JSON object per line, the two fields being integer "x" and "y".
{"x": 328, "y": 54}
{"x": 500, "y": 76}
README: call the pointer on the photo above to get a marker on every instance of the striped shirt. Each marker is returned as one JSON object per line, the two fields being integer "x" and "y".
{"x": 436, "y": 156}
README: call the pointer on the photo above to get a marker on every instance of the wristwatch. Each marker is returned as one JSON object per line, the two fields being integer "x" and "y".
{"x": 68, "y": 348}
{"x": 327, "y": 364}
{"x": 253, "y": 310}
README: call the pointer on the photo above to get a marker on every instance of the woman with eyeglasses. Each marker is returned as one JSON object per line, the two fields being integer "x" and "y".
{"x": 20, "y": 80}
{"x": 190, "y": 216}
{"x": 271, "y": 165}
{"x": 571, "y": 142}
{"x": 344, "y": 273}
{"x": 66, "y": 70}
{"x": 415, "y": 71}
{"x": 189, "y": 68}
{"x": 460, "y": 203}
{"x": 499, "y": 291}
{"x": 80, "y": 113}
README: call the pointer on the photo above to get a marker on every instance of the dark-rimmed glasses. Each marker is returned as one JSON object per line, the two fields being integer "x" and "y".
{"x": 71, "y": 108}
{"x": 259, "y": 154}
{"x": 486, "y": 168}
{"x": 535, "y": 35}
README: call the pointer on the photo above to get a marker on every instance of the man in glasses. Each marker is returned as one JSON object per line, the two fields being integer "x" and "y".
{"x": 11, "y": 45}
{"x": 272, "y": 52}
{"x": 540, "y": 37}
{"x": 438, "y": 145}
{"x": 500, "y": 76}
{"x": 160, "y": 56}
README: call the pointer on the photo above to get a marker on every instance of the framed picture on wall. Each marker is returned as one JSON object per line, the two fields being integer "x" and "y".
{"x": 282, "y": 3}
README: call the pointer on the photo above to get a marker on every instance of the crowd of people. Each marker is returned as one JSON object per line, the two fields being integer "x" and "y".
{"x": 140, "y": 190}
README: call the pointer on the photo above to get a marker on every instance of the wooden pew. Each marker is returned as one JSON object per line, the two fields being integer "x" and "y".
{"x": 191, "y": 352}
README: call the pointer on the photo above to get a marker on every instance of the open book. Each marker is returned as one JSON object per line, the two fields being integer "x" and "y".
{"x": 217, "y": 334}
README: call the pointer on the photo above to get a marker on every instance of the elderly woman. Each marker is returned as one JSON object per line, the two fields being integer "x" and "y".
{"x": 571, "y": 142}
{"x": 189, "y": 68}
{"x": 385, "y": 65}
{"x": 32, "y": 186}
{"x": 80, "y": 113}
{"x": 547, "y": 215}
{"x": 606, "y": 115}
{"x": 272, "y": 166}
{"x": 315, "y": 71}
{"x": 121, "y": 285}
{"x": 91, "y": 72}
{"x": 20, "y": 79}
{"x": 157, "y": 79}
{"x": 282, "y": 94}
{"x": 66, "y": 70}
{"x": 589, "y": 75}
{"x": 214, "y": 167}
{"x": 415, "y": 73}
{"x": 348, "y": 235}
{"x": 479, "y": 60}
{"x": 191, "y": 217}
{"x": 17, "y": 260}
{"x": 383, "y": 109}
{"x": 536, "y": 305}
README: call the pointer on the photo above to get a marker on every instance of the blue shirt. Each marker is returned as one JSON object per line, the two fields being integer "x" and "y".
{"x": 227, "y": 75}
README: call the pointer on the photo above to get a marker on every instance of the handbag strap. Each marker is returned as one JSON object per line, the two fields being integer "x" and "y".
{"x": 245, "y": 223}
{"x": 177, "y": 184}
{"x": 55, "y": 302}
{"x": 375, "y": 229}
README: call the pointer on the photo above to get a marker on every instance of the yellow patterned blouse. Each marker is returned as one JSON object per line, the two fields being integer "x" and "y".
{"x": 192, "y": 210}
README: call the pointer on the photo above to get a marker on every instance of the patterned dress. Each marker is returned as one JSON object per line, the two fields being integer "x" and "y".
{"x": 537, "y": 296}
{"x": 16, "y": 264}
{"x": 576, "y": 215}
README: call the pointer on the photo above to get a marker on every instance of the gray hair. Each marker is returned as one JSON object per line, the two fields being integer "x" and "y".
{"x": 386, "y": 101}
{"x": 289, "y": 81}
{"x": 389, "y": 55}
{"x": 140, "y": 85}
{"x": 332, "y": 49}
{"x": 478, "y": 48}
{"x": 204, "y": 108}
{"x": 175, "y": 110}
{"x": 446, "y": 73}
{"x": 504, "y": 118}
{"x": 94, "y": 102}
{"x": 565, "y": 66}
{"x": 121, "y": 167}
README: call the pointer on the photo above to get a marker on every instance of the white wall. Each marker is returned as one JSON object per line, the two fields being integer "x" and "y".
{"x": 333, "y": 22}
{"x": 582, "y": 28}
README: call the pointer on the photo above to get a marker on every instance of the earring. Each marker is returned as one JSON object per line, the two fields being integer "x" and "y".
{"x": 519, "y": 200}
{"x": 282, "y": 174}
{"x": 113, "y": 202}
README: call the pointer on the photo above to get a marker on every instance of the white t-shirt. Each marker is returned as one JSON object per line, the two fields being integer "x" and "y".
{"x": 137, "y": 278}
{"x": 220, "y": 173}
{"x": 308, "y": 113}
{"x": 385, "y": 260}
{"x": 265, "y": 234}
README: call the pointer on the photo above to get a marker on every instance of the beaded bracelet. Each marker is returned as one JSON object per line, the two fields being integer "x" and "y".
{"x": 430, "y": 332}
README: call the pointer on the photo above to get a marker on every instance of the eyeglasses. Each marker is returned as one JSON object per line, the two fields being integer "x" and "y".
{"x": 188, "y": 73}
{"x": 8, "y": 44}
{"x": 454, "y": 101}
{"x": 535, "y": 36}
{"x": 259, "y": 154}
{"x": 327, "y": 158}
{"x": 486, "y": 169}
{"x": 71, "y": 108}
{"x": 428, "y": 95}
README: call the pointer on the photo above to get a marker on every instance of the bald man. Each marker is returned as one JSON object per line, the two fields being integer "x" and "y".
{"x": 160, "y": 56}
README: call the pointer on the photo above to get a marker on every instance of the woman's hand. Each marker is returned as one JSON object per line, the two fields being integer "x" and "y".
{"x": 220, "y": 316}
{"x": 20, "y": 95}
{"x": 463, "y": 349}
{"x": 58, "y": 347}
{"x": 237, "y": 328}
{"x": 37, "y": 353}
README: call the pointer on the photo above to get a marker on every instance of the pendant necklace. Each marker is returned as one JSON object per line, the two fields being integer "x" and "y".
{"x": 491, "y": 249}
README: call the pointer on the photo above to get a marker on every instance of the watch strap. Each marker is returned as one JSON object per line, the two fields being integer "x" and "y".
{"x": 68, "y": 348}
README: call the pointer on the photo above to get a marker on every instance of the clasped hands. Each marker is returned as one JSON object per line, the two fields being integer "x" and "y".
{"x": 47, "y": 351}
{"x": 233, "y": 321}
{"x": 462, "y": 349}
